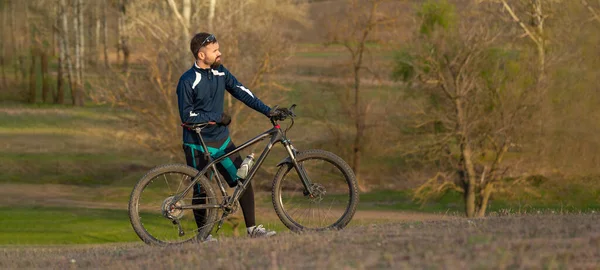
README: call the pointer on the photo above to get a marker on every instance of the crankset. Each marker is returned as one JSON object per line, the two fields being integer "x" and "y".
{"x": 228, "y": 209}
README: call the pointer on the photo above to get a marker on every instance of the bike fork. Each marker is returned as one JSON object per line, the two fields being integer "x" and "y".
{"x": 299, "y": 168}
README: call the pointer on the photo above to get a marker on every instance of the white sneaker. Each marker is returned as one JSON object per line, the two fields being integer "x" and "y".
{"x": 209, "y": 238}
{"x": 259, "y": 231}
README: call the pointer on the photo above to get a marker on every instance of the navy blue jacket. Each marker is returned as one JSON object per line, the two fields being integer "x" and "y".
{"x": 201, "y": 95}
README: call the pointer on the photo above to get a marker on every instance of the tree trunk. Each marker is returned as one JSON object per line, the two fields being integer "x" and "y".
{"x": 105, "y": 34}
{"x": 65, "y": 46}
{"x": 55, "y": 32}
{"x": 13, "y": 36}
{"x": 359, "y": 127}
{"x": 22, "y": 69}
{"x": 2, "y": 63}
{"x": 97, "y": 39}
{"x": 487, "y": 192}
{"x": 77, "y": 62}
{"x": 32, "y": 77}
{"x": 184, "y": 21}
{"x": 81, "y": 36}
{"x": 359, "y": 124}
{"x": 123, "y": 35}
{"x": 3, "y": 44}
{"x": 541, "y": 44}
{"x": 59, "y": 95}
{"x": 211, "y": 15}
{"x": 45, "y": 78}
{"x": 24, "y": 45}
{"x": 82, "y": 54}
{"x": 187, "y": 14}
{"x": 467, "y": 155}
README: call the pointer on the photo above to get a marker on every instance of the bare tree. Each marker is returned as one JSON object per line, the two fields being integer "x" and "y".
{"x": 105, "y": 34}
{"x": 46, "y": 94}
{"x": 65, "y": 53}
{"x": 13, "y": 39}
{"x": 81, "y": 37}
{"x": 211, "y": 14}
{"x": 362, "y": 18}
{"x": 59, "y": 95}
{"x": 474, "y": 106}
{"x": 123, "y": 33}
{"x": 77, "y": 91}
{"x": 32, "y": 81}
{"x": 183, "y": 20}
{"x": 3, "y": 45}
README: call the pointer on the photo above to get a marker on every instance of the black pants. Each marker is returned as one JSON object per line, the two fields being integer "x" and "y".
{"x": 227, "y": 168}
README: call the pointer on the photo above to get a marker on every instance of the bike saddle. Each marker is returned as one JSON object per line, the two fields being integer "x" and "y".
{"x": 194, "y": 125}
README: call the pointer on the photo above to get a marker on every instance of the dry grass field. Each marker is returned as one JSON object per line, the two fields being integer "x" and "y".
{"x": 507, "y": 242}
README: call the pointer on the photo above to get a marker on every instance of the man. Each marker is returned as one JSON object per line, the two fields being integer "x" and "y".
{"x": 200, "y": 94}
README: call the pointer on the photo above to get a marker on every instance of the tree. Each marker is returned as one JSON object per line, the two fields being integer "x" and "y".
{"x": 65, "y": 53}
{"x": 46, "y": 94}
{"x": 32, "y": 78}
{"x": 211, "y": 14}
{"x": 475, "y": 98}
{"x": 3, "y": 44}
{"x": 362, "y": 19}
{"x": 105, "y": 34}
{"x": 123, "y": 33}
{"x": 77, "y": 90}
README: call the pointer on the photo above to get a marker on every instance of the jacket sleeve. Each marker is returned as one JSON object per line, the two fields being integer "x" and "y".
{"x": 240, "y": 92}
{"x": 187, "y": 112}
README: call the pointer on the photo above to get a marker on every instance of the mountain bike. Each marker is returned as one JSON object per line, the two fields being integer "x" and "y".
{"x": 312, "y": 190}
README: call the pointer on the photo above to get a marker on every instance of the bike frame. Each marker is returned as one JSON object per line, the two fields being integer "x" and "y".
{"x": 276, "y": 135}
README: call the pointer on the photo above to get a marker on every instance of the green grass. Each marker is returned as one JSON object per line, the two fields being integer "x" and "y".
{"x": 401, "y": 200}
{"x": 44, "y": 226}
{"x": 62, "y": 226}
{"x": 453, "y": 202}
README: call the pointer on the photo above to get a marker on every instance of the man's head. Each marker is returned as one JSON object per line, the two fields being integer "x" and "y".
{"x": 205, "y": 48}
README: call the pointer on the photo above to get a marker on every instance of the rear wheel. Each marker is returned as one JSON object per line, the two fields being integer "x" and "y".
{"x": 335, "y": 193}
{"x": 160, "y": 220}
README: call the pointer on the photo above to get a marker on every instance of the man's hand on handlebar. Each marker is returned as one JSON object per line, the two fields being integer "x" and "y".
{"x": 279, "y": 114}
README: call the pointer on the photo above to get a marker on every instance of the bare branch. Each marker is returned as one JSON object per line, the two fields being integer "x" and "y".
{"x": 531, "y": 35}
{"x": 592, "y": 10}
{"x": 178, "y": 15}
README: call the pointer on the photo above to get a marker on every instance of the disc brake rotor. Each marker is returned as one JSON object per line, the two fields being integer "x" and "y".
{"x": 318, "y": 191}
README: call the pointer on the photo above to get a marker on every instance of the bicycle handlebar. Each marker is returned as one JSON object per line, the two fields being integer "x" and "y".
{"x": 281, "y": 115}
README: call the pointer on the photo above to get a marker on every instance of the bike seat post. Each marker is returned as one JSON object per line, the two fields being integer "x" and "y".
{"x": 206, "y": 153}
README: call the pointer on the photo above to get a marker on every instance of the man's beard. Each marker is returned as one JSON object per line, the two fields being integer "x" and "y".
{"x": 215, "y": 64}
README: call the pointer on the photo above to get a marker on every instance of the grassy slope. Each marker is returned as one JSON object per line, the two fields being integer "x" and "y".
{"x": 55, "y": 144}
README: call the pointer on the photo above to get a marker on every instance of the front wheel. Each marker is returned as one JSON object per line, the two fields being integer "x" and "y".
{"x": 335, "y": 193}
